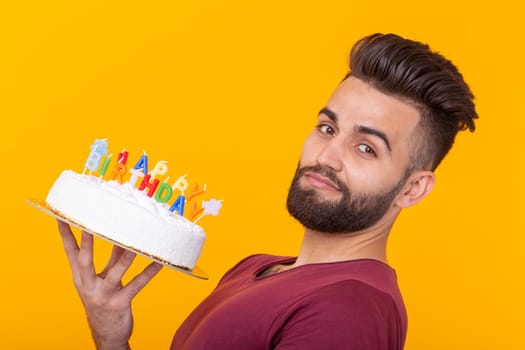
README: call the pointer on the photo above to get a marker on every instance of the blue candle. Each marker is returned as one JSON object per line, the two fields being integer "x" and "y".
{"x": 178, "y": 205}
{"x": 142, "y": 164}
{"x": 98, "y": 149}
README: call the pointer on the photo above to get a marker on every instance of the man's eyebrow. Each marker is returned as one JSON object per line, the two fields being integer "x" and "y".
{"x": 371, "y": 131}
{"x": 329, "y": 113}
{"x": 361, "y": 129}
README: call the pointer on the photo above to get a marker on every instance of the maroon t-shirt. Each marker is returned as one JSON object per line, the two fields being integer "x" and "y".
{"x": 342, "y": 305}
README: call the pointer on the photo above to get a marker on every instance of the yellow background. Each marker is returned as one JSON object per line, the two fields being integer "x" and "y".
{"x": 225, "y": 91}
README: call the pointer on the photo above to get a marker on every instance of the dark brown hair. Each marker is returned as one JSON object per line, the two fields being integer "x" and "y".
{"x": 409, "y": 70}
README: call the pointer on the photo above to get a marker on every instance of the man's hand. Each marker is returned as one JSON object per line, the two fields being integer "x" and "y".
{"x": 106, "y": 300}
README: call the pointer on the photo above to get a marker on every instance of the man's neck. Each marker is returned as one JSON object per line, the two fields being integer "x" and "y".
{"x": 321, "y": 247}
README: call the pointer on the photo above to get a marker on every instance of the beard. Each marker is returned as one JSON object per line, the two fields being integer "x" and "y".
{"x": 353, "y": 212}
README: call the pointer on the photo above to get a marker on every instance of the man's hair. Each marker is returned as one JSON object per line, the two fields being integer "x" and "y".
{"x": 410, "y": 71}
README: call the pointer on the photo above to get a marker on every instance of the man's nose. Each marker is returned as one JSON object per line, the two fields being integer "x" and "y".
{"x": 331, "y": 154}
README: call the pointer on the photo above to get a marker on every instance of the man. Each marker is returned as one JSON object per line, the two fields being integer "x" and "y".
{"x": 373, "y": 152}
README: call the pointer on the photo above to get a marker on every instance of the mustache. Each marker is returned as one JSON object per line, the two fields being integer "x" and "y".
{"x": 324, "y": 171}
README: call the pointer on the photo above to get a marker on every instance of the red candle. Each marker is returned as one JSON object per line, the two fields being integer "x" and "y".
{"x": 123, "y": 157}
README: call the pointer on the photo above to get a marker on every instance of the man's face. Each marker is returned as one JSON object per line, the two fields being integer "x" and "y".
{"x": 354, "y": 163}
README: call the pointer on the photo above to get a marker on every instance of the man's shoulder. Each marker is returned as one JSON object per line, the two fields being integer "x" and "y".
{"x": 359, "y": 296}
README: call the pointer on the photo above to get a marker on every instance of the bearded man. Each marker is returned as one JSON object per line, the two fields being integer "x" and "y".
{"x": 377, "y": 142}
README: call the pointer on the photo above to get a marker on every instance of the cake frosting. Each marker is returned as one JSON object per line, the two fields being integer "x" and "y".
{"x": 122, "y": 213}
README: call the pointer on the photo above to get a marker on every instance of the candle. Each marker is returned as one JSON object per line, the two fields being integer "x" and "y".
{"x": 178, "y": 205}
{"x": 163, "y": 193}
{"x": 142, "y": 163}
{"x": 152, "y": 186}
{"x": 181, "y": 184}
{"x": 118, "y": 172}
{"x": 93, "y": 161}
{"x": 122, "y": 157}
{"x": 160, "y": 169}
{"x": 196, "y": 192}
{"x": 99, "y": 148}
{"x": 211, "y": 207}
{"x": 194, "y": 211}
{"x": 135, "y": 174}
{"x": 104, "y": 168}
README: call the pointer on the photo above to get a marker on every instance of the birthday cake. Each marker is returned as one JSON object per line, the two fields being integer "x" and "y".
{"x": 131, "y": 215}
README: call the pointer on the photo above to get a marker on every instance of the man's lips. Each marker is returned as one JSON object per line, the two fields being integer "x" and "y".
{"x": 320, "y": 181}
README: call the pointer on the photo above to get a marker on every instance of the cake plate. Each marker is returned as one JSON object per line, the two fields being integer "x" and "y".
{"x": 44, "y": 207}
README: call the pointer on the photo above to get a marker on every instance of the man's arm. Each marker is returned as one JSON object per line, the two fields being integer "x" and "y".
{"x": 106, "y": 301}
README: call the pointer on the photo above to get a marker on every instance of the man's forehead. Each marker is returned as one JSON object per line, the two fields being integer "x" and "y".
{"x": 357, "y": 102}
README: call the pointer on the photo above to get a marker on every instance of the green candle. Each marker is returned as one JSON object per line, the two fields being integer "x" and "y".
{"x": 105, "y": 165}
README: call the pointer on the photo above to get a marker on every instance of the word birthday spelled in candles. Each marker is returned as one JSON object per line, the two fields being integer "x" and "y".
{"x": 161, "y": 191}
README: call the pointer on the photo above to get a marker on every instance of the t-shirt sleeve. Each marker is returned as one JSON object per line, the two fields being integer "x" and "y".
{"x": 346, "y": 315}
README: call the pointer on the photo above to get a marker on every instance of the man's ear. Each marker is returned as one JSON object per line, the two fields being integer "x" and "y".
{"x": 418, "y": 186}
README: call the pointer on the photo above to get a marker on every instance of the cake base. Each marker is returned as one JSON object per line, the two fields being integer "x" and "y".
{"x": 44, "y": 207}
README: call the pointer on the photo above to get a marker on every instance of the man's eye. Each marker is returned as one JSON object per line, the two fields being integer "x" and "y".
{"x": 364, "y": 148}
{"x": 326, "y": 129}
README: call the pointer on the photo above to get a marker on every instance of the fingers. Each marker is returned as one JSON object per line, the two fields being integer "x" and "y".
{"x": 82, "y": 266}
{"x": 141, "y": 280}
{"x": 85, "y": 261}
{"x": 68, "y": 240}
{"x": 112, "y": 281}
{"x": 70, "y": 245}
{"x": 116, "y": 253}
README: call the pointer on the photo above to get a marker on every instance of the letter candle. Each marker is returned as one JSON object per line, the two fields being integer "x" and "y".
{"x": 98, "y": 149}
{"x": 193, "y": 210}
{"x": 160, "y": 168}
{"x": 105, "y": 165}
{"x": 92, "y": 162}
{"x": 135, "y": 174}
{"x": 118, "y": 172}
{"x": 178, "y": 205}
{"x": 152, "y": 186}
{"x": 181, "y": 184}
{"x": 120, "y": 168}
{"x": 211, "y": 207}
{"x": 122, "y": 157}
{"x": 142, "y": 163}
{"x": 164, "y": 193}
{"x": 196, "y": 192}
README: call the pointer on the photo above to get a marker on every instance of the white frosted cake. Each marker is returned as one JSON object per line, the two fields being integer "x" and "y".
{"x": 128, "y": 216}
